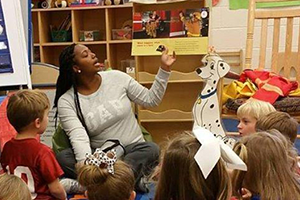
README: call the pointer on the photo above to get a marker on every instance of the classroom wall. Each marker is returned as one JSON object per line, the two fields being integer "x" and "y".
{"x": 229, "y": 30}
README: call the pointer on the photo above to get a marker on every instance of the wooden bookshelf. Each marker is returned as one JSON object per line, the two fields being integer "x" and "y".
{"x": 101, "y": 18}
{"x": 174, "y": 114}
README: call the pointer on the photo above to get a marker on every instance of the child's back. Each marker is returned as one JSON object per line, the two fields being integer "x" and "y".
{"x": 30, "y": 158}
{"x": 270, "y": 173}
{"x": 24, "y": 156}
{"x": 181, "y": 178}
{"x": 280, "y": 121}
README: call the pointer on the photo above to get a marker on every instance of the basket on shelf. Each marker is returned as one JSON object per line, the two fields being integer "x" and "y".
{"x": 61, "y": 36}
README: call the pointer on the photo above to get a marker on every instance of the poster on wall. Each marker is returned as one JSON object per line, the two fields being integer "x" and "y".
{"x": 13, "y": 49}
{"x": 184, "y": 31}
{"x": 5, "y": 59}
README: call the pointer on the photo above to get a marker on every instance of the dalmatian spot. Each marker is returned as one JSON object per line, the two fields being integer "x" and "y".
{"x": 214, "y": 81}
{"x": 218, "y": 125}
{"x": 208, "y": 91}
{"x": 212, "y": 88}
{"x": 209, "y": 124}
{"x": 212, "y": 106}
{"x": 217, "y": 121}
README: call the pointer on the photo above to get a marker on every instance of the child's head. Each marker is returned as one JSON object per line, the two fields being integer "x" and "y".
{"x": 12, "y": 187}
{"x": 280, "y": 121}
{"x": 27, "y": 107}
{"x": 102, "y": 183}
{"x": 269, "y": 168}
{"x": 250, "y": 112}
{"x": 181, "y": 178}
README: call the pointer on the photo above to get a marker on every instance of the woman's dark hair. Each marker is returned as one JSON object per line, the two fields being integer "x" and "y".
{"x": 67, "y": 79}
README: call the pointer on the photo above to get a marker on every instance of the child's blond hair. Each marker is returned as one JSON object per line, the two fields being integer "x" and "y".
{"x": 255, "y": 108}
{"x": 13, "y": 188}
{"x": 270, "y": 172}
{"x": 101, "y": 184}
{"x": 25, "y": 106}
{"x": 180, "y": 177}
{"x": 280, "y": 121}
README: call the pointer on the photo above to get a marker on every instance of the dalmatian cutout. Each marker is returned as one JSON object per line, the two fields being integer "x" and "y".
{"x": 206, "y": 111}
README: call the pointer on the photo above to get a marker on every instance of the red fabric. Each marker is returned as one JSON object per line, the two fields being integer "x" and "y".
{"x": 270, "y": 85}
{"x": 29, "y": 158}
{"x": 7, "y": 131}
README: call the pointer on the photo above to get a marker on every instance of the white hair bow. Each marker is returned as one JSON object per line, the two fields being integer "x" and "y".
{"x": 211, "y": 150}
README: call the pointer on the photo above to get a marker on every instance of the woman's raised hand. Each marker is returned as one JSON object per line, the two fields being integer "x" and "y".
{"x": 167, "y": 60}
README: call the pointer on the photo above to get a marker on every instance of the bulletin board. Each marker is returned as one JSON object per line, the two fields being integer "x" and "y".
{"x": 14, "y": 65}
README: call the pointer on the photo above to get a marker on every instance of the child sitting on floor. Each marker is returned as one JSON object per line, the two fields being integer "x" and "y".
{"x": 280, "y": 121}
{"x": 287, "y": 126}
{"x": 269, "y": 174}
{"x": 24, "y": 156}
{"x": 182, "y": 176}
{"x": 249, "y": 113}
{"x": 106, "y": 178}
{"x": 13, "y": 188}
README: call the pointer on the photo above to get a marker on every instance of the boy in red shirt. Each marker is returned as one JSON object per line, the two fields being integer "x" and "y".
{"x": 24, "y": 156}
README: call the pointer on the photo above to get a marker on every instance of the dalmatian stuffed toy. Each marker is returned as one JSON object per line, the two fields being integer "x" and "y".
{"x": 206, "y": 111}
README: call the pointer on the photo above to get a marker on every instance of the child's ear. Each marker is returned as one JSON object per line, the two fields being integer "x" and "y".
{"x": 37, "y": 123}
{"x": 132, "y": 196}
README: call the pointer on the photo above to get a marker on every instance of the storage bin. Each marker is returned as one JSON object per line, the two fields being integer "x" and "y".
{"x": 61, "y": 36}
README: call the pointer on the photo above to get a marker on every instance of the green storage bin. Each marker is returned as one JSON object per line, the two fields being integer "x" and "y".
{"x": 61, "y": 36}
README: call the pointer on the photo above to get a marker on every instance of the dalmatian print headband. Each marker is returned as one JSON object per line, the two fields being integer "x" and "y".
{"x": 101, "y": 159}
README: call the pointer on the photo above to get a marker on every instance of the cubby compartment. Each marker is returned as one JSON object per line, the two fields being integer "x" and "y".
{"x": 53, "y": 20}
{"x": 50, "y": 54}
{"x": 119, "y": 28}
{"x": 119, "y": 52}
{"x": 36, "y": 54}
{"x": 89, "y": 20}
{"x": 35, "y": 28}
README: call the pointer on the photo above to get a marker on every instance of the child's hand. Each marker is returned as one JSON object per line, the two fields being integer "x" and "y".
{"x": 167, "y": 60}
{"x": 246, "y": 194}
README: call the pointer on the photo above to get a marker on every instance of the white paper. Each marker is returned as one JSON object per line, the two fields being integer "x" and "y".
{"x": 211, "y": 150}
